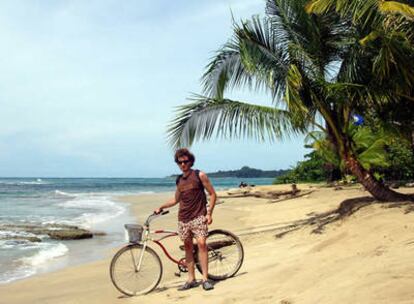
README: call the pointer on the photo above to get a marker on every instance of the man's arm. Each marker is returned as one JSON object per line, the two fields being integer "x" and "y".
{"x": 213, "y": 196}
{"x": 171, "y": 202}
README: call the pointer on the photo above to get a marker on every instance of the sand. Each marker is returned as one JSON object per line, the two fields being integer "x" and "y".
{"x": 363, "y": 258}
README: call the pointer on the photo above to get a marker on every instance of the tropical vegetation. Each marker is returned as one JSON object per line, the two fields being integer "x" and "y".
{"x": 313, "y": 169}
{"x": 322, "y": 61}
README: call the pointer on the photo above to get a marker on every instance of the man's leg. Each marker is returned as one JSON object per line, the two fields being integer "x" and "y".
{"x": 203, "y": 256}
{"x": 189, "y": 258}
{"x": 187, "y": 238}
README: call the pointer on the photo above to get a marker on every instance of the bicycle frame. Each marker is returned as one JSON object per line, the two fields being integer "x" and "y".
{"x": 170, "y": 233}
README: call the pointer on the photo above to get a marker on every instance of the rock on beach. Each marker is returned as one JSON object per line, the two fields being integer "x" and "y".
{"x": 54, "y": 231}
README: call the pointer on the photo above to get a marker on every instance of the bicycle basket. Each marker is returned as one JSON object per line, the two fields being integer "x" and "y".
{"x": 134, "y": 232}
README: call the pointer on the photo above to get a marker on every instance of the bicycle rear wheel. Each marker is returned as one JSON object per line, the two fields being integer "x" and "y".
{"x": 225, "y": 255}
{"x": 126, "y": 276}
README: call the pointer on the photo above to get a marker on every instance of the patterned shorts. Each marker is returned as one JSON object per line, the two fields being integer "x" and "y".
{"x": 195, "y": 228}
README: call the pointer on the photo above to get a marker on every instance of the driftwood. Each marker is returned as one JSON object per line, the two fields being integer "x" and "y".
{"x": 265, "y": 194}
{"x": 288, "y": 197}
{"x": 273, "y": 195}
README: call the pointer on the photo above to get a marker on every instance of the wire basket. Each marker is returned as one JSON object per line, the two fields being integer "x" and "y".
{"x": 134, "y": 233}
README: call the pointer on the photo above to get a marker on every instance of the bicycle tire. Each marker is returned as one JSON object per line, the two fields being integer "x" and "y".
{"x": 225, "y": 255}
{"x": 125, "y": 276}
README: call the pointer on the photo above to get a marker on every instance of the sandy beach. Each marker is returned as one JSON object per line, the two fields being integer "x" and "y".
{"x": 362, "y": 255}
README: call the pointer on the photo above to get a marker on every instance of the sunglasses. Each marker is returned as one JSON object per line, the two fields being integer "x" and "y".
{"x": 180, "y": 162}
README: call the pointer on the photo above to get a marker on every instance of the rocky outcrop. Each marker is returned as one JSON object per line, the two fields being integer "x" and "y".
{"x": 54, "y": 231}
{"x": 33, "y": 239}
{"x": 70, "y": 234}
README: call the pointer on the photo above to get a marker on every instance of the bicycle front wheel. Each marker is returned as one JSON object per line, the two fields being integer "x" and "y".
{"x": 225, "y": 254}
{"x": 135, "y": 271}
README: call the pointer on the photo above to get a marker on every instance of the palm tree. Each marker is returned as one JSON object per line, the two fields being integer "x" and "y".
{"x": 316, "y": 71}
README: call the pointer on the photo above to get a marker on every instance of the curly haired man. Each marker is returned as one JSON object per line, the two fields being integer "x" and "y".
{"x": 193, "y": 214}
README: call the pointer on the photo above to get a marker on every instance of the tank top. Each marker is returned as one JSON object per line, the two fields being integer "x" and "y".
{"x": 193, "y": 201}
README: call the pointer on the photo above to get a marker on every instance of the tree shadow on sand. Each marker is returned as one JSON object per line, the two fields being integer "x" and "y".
{"x": 345, "y": 209}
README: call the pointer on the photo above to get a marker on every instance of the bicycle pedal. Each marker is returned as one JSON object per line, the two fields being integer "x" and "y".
{"x": 177, "y": 274}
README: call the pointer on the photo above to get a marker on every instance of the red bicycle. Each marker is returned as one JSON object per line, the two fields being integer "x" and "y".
{"x": 136, "y": 268}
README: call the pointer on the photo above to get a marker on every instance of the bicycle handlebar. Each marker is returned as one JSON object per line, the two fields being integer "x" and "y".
{"x": 165, "y": 212}
{"x": 153, "y": 215}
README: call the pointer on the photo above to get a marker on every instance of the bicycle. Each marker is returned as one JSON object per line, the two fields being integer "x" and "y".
{"x": 136, "y": 269}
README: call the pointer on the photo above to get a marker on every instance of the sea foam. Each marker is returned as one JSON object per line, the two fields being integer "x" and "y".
{"x": 48, "y": 252}
{"x": 29, "y": 266}
{"x": 96, "y": 209}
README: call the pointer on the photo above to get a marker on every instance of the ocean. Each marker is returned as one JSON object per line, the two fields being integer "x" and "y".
{"x": 84, "y": 202}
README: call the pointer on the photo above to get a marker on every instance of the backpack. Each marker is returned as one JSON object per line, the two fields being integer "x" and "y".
{"x": 197, "y": 172}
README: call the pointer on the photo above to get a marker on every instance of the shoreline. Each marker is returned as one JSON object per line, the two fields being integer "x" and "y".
{"x": 300, "y": 267}
{"x": 79, "y": 252}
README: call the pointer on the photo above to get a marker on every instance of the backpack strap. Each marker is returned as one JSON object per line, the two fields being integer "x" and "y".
{"x": 197, "y": 172}
{"x": 178, "y": 179}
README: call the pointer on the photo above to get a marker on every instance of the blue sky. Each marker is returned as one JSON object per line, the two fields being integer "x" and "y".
{"x": 87, "y": 88}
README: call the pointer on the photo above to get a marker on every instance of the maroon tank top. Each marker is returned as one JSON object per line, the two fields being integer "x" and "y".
{"x": 193, "y": 201}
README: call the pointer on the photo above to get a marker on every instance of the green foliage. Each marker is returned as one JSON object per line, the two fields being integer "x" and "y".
{"x": 401, "y": 159}
{"x": 376, "y": 150}
{"x": 324, "y": 147}
{"x": 370, "y": 146}
{"x": 398, "y": 153}
{"x": 312, "y": 169}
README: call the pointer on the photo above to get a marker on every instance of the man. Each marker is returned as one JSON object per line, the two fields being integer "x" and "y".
{"x": 193, "y": 215}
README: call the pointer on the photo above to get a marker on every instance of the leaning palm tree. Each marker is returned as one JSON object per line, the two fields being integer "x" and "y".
{"x": 316, "y": 71}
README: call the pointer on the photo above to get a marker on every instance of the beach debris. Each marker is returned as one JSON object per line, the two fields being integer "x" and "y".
{"x": 54, "y": 231}
{"x": 294, "y": 189}
{"x": 244, "y": 185}
{"x": 291, "y": 196}
{"x": 395, "y": 185}
{"x": 273, "y": 196}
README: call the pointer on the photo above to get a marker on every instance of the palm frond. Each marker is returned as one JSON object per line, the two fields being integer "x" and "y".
{"x": 225, "y": 69}
{"x": 252, "y": 57}
{"x": 396, "y": 8}
{"x": 365, "y": 12}
{"x": 262, "y": 54}
{"x": 205, "y": 117}
{"x": 374, "y": 155}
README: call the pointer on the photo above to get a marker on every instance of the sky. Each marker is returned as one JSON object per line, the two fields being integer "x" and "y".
{"x": 87, "y": 88}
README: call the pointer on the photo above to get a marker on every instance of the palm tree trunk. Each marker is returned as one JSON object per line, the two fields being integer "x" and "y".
{"x": 376, "y": 188}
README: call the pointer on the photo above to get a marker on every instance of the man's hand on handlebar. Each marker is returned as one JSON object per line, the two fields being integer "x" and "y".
{"x": 158, "y": 210}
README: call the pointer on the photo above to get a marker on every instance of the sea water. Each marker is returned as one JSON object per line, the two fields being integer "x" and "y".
{"x": 84, "y": 202}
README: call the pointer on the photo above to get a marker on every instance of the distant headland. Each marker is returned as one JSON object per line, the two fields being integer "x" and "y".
{"x": 246, "y": 172}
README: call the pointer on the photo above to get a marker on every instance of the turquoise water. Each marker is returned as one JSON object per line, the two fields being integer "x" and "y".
{"x": 84, "y": 202}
